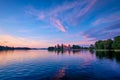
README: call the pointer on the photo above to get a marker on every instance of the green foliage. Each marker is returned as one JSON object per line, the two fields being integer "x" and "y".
{"x": 116, "y": 43}
{"x": 117, "y": 38}
{"x": 108, "y": 55}
{"x": 6, "y": 48}
{"x": 108, "y": 44}
{"x": 99, "y": 45}
{"x": 51, "y": 48}
{"x": 13, "y": 48}
{"x": 76, "y": 47}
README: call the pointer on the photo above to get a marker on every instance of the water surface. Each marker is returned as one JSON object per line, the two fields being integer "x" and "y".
{"x": 66, "y": 65}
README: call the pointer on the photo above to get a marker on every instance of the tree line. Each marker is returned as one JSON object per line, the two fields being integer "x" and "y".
{"x": 13, "y": 48}
{"x": 64, "y": 47}
{"x": 108, "y": 44}
{"x": 100, "y": 44}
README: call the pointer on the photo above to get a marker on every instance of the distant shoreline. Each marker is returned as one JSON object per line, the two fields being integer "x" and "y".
{"x": 107, "y": 49}
{"x": 20, "y": 48}
{"x": 89, "y": 49}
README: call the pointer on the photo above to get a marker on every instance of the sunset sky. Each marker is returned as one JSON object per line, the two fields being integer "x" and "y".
{"x": 43, "y": 23}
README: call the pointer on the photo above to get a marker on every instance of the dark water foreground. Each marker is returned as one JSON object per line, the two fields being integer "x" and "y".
{"x": 68, "y": 65}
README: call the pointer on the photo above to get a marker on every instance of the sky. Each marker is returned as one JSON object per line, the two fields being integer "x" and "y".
{"x": 43, "y": 23}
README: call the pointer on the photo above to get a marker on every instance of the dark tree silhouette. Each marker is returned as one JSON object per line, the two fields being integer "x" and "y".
{"x": 108, "y": 44}
{"x": 116, "y": 43}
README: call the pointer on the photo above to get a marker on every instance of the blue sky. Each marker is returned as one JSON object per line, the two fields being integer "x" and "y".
{"x": 42, "y": 23}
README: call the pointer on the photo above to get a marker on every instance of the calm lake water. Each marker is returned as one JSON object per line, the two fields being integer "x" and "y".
{"x": 67, "y": 65}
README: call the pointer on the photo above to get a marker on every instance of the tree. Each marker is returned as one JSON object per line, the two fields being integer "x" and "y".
{"x": 91, "y": 46}
{"x": 76, "y": 47}
{"x": 51, "y": 48}
{"x": 99, "y": 45}
{"x": 62, "y": 47}
{"x": 107, "y": 44}
{"x": 116, "y": 43}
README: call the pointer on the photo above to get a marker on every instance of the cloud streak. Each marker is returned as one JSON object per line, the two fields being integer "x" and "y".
{"x": 114, "y": 17}
{"x": 58, "y": 24}
{"x": 77, "y": 9}
{"x": 103, "y": 33}
{"x": 86, "y": 9}
{"x": 82, "y": 13}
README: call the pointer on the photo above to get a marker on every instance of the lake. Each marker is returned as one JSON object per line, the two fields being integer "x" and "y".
{"x": 65, "y": 65}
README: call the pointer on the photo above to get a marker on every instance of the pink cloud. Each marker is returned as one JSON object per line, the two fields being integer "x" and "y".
{"x": 78, "y": 8}
{"x": 57, "y": 23}
{"x": 60, "y": 26}
{"x": 85, "y": 36}
{"x": 86, "y": 9}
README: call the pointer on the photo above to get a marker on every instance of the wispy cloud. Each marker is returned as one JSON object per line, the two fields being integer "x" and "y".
{"x": 83, "y": 42}
{"x": 86, "y": 8}
{"x": 113, "y": 17}
{"x": 58, "y": 24}
{"x": 61, "y": 13}
{"x": 64, "y": 16}
{"x": 104, "y": 32}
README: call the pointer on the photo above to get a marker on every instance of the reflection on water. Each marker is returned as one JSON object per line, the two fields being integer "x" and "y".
{"x": 59, "y": 65}
{"x": 109, "y": 55}
{"x": 12, "y": 56}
